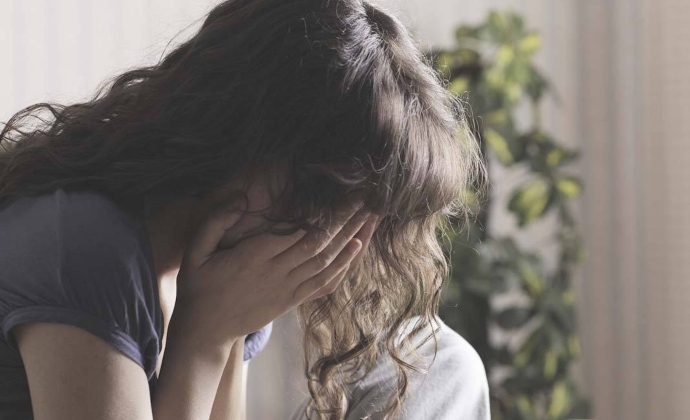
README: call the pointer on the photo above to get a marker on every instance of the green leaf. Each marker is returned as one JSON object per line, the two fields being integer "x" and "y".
{"x": 466, "y": 57}
{"x": 544, "y": 154}
{"x": 495, "y": 79}
{"x": 505, "y": 55}
{"x": 560, "y": 400}
{"x": 554, "y": 157}
{"x": 523, "y": 356}
{"x": 500, "y": 146}
{"x": 530, "y": 43}
{"x": 569, "y": 186}
{"x": 574, "y": 346}
{"x": 539, "y": 137}
{"x": 499, "y": 117}
{"x": 550, "y": 364}
{"x": 524, "y": 405}
{"x": 581, "y": 409}
{"x": 531, "y": 278}
{"x": 496, "y": 27}
{"x": 562, "y": 316}
{"x": 568, "y": 297}
{"x": 519, "y": 71}
{"x": 459, "y": 85}
{"x": 465, "y": 31}
{"x": 514, "y": 318}
{"x": 513, "y": 92}
{"x": 501, "y": 139}
{"x": 515, "y": 25}
{"x": 556, "y": 336}
{"x": 531, "y": 201}
{"x": 581, "y": 255}
{"x": 536, "y": 84}
{"x": 469, "y": 198}
{"x": 445, "y": 63}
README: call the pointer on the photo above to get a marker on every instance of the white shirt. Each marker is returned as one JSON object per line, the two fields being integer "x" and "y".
{"x": 455, "y": 388}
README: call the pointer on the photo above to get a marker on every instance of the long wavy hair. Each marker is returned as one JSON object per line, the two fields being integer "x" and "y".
{"x": 339, "y": 93}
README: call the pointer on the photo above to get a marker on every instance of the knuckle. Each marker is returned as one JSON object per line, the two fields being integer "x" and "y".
{"x": 331, "y": 288}
{"x": 322, "y": 282}
{"x": 242, "y": 254}
{"x": 317, "y": 281}
{"x": 321, "y": 262}
{"x": 241, "y": 271}
{"x": 323, "y": 242}
{"x": 290, "y": 301}
{"x": 333, "y": 257}
{"x": 293, "y": 300}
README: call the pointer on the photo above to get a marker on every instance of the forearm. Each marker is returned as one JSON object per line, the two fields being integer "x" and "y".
{"x": 189, "y": 377}
{"x": 230, "y": 400}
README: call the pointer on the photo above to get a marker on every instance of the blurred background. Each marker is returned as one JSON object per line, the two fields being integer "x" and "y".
{"x": 580, "y": 300}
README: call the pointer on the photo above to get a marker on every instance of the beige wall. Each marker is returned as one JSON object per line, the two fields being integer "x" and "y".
{"x": 665, "y": 129}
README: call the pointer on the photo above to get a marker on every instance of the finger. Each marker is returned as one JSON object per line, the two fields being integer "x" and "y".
{"x": 314, "y": 242}
{"x": 332, "y": 286}
{"x": 365, "y": 234}
{"x": 314, "y": 284}
{"x": 278, "y": 243}
{"x": 211, "y": 231}
{"x": 268, "y": 243}
{"x": 322, "y": 260}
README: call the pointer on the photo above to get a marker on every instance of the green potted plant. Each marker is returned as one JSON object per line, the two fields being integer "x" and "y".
{"x": 497, "y": 288}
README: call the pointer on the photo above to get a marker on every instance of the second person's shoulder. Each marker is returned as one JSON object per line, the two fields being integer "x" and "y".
{"x": 455, "y": 385}
{"x": 457, "y": 355}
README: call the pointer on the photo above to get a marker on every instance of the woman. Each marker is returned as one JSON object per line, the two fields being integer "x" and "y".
{"x": 291, "y": 154}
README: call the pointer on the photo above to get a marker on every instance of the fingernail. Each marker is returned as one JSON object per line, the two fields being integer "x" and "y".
{"x": 357, "y": 244}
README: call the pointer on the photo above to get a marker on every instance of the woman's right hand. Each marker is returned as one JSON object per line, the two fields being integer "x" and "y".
{"x": 224, "y": 294}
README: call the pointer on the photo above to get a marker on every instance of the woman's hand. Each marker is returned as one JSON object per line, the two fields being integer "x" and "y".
{"x": 227, "y": 293}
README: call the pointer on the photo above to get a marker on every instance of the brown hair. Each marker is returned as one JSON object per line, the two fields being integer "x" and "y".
{"x": 338, "y": 92}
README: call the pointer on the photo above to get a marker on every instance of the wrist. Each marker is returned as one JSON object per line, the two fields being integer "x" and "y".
{"x": 237, "y": 349}
{"x": 185, "y": 329}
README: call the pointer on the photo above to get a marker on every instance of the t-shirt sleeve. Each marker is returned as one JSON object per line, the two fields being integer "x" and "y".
{"x": 256, "y": 342}
{"x": 77, "y": 259}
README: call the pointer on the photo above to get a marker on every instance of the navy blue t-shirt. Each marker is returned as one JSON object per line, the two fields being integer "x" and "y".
{"x": 79, "y": 258}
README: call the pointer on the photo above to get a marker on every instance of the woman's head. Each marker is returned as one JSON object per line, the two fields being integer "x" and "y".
{"x": 334, "y": 92}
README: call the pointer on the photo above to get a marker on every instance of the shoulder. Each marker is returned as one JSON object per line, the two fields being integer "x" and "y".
{"x": 98, "y": 234}
{"x": 49, "y": 225}
{"x": 450, "y": 358}
{"x": 80, "y": 258}
{"x": 79, "y": 241}
{"x": 456, "y": 355}
{"x": 94, "y": 219}
{"x": 454, "y": 386}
